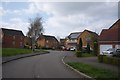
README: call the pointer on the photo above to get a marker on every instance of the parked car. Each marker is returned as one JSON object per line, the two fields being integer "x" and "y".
{"x": 72, "y": 49}
{"x": 117, "y": 53}
{"x": 67, "y": 49}
{"x": 109, "y": 52}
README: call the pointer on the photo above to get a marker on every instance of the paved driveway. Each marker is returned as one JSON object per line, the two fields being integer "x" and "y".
{"x": 40, "y": 66}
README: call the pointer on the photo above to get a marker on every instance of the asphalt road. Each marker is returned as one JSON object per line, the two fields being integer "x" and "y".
{"x": 40, "y": 66}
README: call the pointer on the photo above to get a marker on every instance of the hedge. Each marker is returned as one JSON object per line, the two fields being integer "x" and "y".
{"x": 78, "y": 53}
{"x": 109, "y": 60}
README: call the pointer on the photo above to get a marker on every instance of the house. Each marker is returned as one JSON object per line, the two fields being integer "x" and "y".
{"x": 71, "y": 40}
{"x": 12, "y": 38}
{"x": 110, "y": 38}
{"x": 46, "y": 41}
{"x": 27, "y": 42}
{"x": 62, "y": 43}
{"x": 87, "y": 37}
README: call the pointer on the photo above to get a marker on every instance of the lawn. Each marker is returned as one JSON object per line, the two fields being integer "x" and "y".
{"x": 94, "y": 72}
{"x": 14, "y": 51}
{"x": 17, "y": 51}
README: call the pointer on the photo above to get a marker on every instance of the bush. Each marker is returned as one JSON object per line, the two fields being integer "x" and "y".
{"x": 78, "y": 53}
{"x": 88, "y": 48}
{"x": 109, "y": 60}
{"x": 27, "y": 46}
{"x": 100, "y": 58}
{"x": 95, "y": 48}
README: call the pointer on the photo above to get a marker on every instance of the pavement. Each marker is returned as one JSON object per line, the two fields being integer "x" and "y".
{"x": 70, "y": 57}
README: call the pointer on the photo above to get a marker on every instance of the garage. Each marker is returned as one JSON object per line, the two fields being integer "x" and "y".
{"x": 104, "y": 47}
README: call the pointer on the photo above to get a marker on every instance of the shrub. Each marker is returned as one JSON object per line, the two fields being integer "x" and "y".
{"x": 78, "y": 53}
{"x": 95, "y": 48}
{"x": 88, "y": 48}
{"x": 109, "y": 60}
{"x": 100, "y": 58}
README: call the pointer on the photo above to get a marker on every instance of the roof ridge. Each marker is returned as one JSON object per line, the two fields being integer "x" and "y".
{"x": 11, "y": 29}
{"x": 114, "y": 23}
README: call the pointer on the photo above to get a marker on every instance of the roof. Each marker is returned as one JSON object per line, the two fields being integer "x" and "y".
{"x": 12, "y": 32}
{"x": 94, "y": 33}
{"x": 74, "y": 35}
{"x": 48, "y": 37}
{"x": 110, "y": 35}
{"x": 116, "y": 23}
{"x": 62, "y": 40}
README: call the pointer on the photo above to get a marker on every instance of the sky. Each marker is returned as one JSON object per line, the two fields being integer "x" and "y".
{"x": 59, "y": 18}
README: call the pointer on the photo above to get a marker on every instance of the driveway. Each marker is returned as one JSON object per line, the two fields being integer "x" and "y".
{"x": 39, "y": 66}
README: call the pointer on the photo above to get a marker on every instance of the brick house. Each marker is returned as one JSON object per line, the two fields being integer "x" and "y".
{"x": 71, "y": 40}
{"x": 110, "y": 38}
{"x": 62, "y": 42}
{"x": 12, "y": 38}
{"x": 46, "y": 41}
{"x": 88, "y": 37}
{"x": 0, "y": 38}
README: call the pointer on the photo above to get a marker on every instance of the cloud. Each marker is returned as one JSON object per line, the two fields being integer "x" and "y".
{"x": 2, "y": 11}
{"x": 70, "y": 17}
{"x": 16, "y": 23}
{"x": 66, "y": 17}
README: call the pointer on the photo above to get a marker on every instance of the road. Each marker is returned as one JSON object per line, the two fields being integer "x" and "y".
{"x": 40, "y": 66}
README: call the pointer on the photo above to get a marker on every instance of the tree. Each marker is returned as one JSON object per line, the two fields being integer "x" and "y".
{"x": 88, "y": 47}
{"x": 80, "y": 44}
{"x": 95, "y": 47}
{"x": 35, "y": 29}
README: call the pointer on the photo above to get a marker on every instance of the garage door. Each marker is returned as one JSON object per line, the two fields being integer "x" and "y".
{"x": 117, "y": 47}
{"x": 104, "y": 47}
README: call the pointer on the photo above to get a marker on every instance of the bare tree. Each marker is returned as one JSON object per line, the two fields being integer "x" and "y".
{"x": 35, "y": 29}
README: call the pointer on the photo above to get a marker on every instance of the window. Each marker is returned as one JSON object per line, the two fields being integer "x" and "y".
{"x": 75, "y": 40}
{"x": 13, "y": 37}
{"x": 21, "y": 38}
{"x": 13, "y": 42}
{"x": 47, "y": 41}
{"x": 20, "y": 43}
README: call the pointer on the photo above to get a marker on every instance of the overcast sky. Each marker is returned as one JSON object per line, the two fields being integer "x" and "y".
{"x": 60, "y": 18}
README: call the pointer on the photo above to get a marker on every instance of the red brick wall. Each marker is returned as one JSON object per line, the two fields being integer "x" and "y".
{"x": 7, "y": 41}
{"x": 51, "y": 44}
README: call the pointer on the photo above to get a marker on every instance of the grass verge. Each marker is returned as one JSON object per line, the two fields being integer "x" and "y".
{"x": 16, "y": 51}
{"x": 94, "y": 72}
